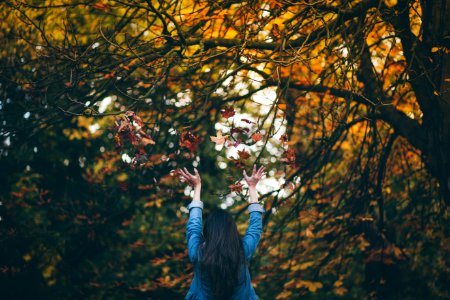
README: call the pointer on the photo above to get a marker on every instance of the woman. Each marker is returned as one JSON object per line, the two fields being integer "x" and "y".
{"x": 220, "y": 256}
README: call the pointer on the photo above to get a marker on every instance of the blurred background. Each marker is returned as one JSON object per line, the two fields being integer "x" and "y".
{"x": 345, "y": 103}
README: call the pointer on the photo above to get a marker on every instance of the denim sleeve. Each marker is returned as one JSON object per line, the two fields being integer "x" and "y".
{"x": 254, "y": 229}
{"x": 194, "y": 228}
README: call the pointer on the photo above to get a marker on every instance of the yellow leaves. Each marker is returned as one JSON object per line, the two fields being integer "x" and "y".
{"x": 390, "y": 3}
{"x": 363, "y": 243}
{"x": 415, "y": 17}
{"x": 312, "y": 286}
{"x": 317, "y": 65}
{"x": 309, "y": 233}
{"x": 27, "y": 257}
{"x": 302, "y": 266}
{"x": 49, "y": 271}
{"x": 154, "y": 203}
{"x": 284, "y": 295}
{"x": 442, "y": 49}
{"x": 345, "y": 145}
{"x": 122, "y": 177}
{"x": 338, "y": 288}
{"x": 274, "y": 251}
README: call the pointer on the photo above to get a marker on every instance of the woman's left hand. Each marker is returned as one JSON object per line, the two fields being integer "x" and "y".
{"x": 193, "y": 180}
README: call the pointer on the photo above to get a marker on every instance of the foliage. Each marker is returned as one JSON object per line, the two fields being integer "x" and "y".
{"x": 343, "y": 101}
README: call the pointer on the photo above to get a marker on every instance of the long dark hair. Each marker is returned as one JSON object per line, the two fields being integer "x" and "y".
{"x": 223, "y": 255}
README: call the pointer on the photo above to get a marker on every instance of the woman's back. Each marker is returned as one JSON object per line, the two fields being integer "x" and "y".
{"x": 220, "y": 256}
{"x": 202, "y": 284}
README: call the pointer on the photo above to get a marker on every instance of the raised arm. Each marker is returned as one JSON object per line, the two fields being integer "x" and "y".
{"x": 255, "y": 210}
{"x": 194, "y": 224}
{"x": 194, "y": 228}
{"x": 254, "y": 229}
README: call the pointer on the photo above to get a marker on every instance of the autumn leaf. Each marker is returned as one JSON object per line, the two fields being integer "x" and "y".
{"x": 288, "y": 157}
{"x": 243, "y": 154}
{"x": 257, "y": 136}
{"x": 247, "y": 121}
{"x": 239, "y": 130}
{"x": 189, "y": 140}
{"x": 312, "y": 286}
{"x": 237, "y": 187}
{"x": 100, "y": 6}
{"x": 228, "y": 112}
{"x": 109, "y": 75}
{"x": 237, "y": 162}
{"x": 219, "y": 139}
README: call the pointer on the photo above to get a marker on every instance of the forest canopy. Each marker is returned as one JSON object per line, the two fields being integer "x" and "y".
{"x": 345, "y": 102}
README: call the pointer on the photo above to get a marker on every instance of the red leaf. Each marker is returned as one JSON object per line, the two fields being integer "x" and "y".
{"x": 228, "y": 112}
{"x": 189, "y": 141}
{"x": 284, "y": 138}
{"x": 237, "y": 187}
{"x": 237, "y": 162}
{"x": 243, "y": 154}
{"x": 257, "y": 136}
{"x": 247, "y": 121}
{"x": 238, "y": 129}
{"x": 289, "y": 157}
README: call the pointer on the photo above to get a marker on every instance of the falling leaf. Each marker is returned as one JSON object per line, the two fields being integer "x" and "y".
{"x": 289, "y": 157}
{"x": 237, "y": 162}
{"x": 189, "y": 140}
{"x": 284, "y": 138}
{"x": 219, "y": 139}
{"x": 247, "y": 121}
{"x": 239, "y": 130}
{"x": 243, "y": 154}
{"x": 237, "y": 187}
{"x": 257, "y": 136}
{"x": 228, "y": 112}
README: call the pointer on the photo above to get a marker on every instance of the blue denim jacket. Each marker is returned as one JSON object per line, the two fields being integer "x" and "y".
{"x": 250, "y": 241}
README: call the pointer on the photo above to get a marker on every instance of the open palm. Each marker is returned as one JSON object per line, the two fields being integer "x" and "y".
{"x": 255, "y": 177}
{"x": 191, "y": 179}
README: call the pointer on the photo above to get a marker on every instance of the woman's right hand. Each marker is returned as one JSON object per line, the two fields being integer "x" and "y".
{"x": 193, "y": 180}
{"x": 253, "y": 180}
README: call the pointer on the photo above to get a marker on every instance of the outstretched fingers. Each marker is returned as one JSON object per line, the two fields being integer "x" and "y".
{"x": 187, "y": 172}
{"x": 261, "y": 171}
